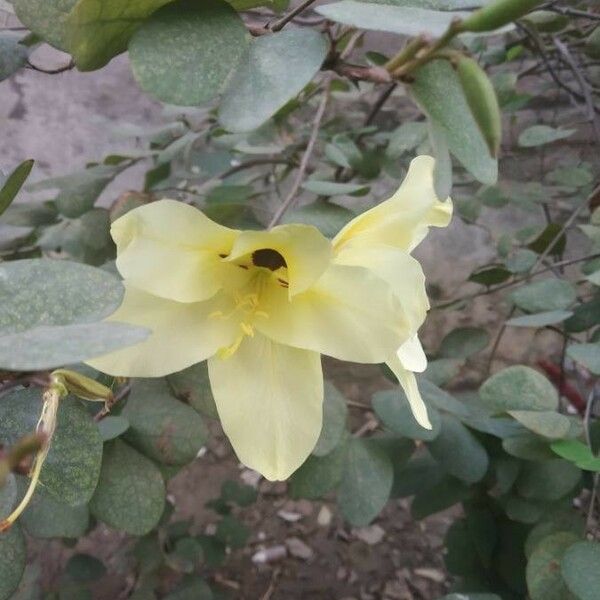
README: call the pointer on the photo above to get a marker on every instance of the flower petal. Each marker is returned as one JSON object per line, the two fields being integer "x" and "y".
{"x": 404, "y": 219}
{"x": 171, "y": 249}
{"x": 306, "y": 251}
{"x": 183, "y": 334}
{"x": 408, "y": 382}
{"x": 349, "y": 314}
{"x": 269, "y": 397}
{"x": 402, "y": 272}
{"x": 412, "y": 356}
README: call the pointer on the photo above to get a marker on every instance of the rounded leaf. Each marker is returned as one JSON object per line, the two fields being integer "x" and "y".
{"x": 275, "y": 69}
{"x": 580, "y": 567}
{"x": 184, "y": 53}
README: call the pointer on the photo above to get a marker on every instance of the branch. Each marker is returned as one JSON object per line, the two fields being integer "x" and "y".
{"x": 70, "y": 65}
{"x": 305, "y": 157}
{"x": 486, "y": 292}
{"x": 279, "y": 25}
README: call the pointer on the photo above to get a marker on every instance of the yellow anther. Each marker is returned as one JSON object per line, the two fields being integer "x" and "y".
{"x": 247, "y": 329}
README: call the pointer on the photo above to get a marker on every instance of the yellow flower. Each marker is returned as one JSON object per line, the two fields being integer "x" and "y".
{"x": 262, "y": 306}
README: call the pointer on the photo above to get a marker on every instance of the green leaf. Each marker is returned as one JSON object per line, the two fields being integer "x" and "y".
{"x": 438, "y": 497}
{"x": 547, "y": 423}
{"x": 438, "y": 91}
{"x": 8, "y": 495}
{"x": 275, "y": 69}
{"x": 406, "y": 20}
{"x": 49, "y": 347}
{"x": 13, "y": 55}
{"x": 161, "y": 427}
{"x": 393, "y": 408}
{"x": 443, "y": 370}
{"x": 547, "y": 480}
{"x": 579, "y": 568}
{"x": 334, "y": 420}
{"x": 553, "y": 523}
{"x": 184, "y": 53}
{"x": 490, "y": 276}
{"x": 327, "y": 217}
{"x": 98, "y": 30}
{"x": 527, "y": 446}
{"x": 540, "y": 319}
{"x": 47, "y": 517}
{"x": 70, "y": 472}
{"x": 319, "y": 475}
{"x": 10, "y": 186}
{"x": 13, "y": 557}
{"x": 544, "y": 580}
{"x": 232, "y": 532}
{"x": 586, "y": 354}
{"x": 521, "y": 261}
{"x": 585, "y": 315}
{"x": 130, "y": 493}
{"x": 49, "y": 311}
{"x": 578, "y": 453}
{"x": 518, "y": 388}
{"x": 538, "y": 135}
{"x": 417, "y": 475}
{"x": 38, "y": 292}
{"x": 545, "y": 295}
{"x": 84, "y": 568}
{"x": 46, "y": 18}
{"x": 366, "y": 483}
{"x": 191, "y": 587}
{"x": 192, "y": 385}
{"x": 333, "y": 188}
{"x": 238, "y": 493}
{"x": 79, "y": 192}
{"x": 463, "y": 342}
{"x": 111, "y": 427}
{"x": 459, "y": 451}
{"x": 406, "y": 137}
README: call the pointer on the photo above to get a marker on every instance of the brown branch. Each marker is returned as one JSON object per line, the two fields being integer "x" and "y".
{"x": 69, "y": 66}
{"x": 279, "y": 25}
{"x": 305, "y": 157}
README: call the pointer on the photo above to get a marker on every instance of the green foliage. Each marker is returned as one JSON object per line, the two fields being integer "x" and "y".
{"x": 579, "y": 568}
{"x": 70, "y": 472}
{"x": 504, "y": 452}
{"x": 10, "y": 186}
{"x": 518, "y": 388}
{"x": 184, "y": 53}
{"x": 162, "y": 428}
{"x": 131, "y": 492}
{"x": 13, "y": 555}
{"x": 366, "y": 481}
{"x": 275, "y": 69}
{"x": 438, "y": 91}
{"x": 46, "y": 18}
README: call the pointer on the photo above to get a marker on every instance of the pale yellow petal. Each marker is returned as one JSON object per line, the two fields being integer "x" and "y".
{"x": 182, "y": 334}
{"x": 349, "y": 313}
{"x": 402, "y": 272}
{"x": 412, "y": 356}
{"x": 408, "y": 382}
{"x": 305, "y": 250}
{"x": 172, "y": 250}
{"x": 404, "y": 219}
{"x": 269, "y": 397}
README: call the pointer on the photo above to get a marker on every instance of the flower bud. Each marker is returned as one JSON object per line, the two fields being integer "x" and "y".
{"x": 482, "y": 100}
{"x": 497, "y": 14}
{"x": 81, "y": 386}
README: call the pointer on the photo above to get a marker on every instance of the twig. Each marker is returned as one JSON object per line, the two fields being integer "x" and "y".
{"x": 559, "y": 82}
{"x": 498, "y": 340}
{"x": 585, "y": 90}
{"x": 562, "y": 263}
{"x": 383, "y": 98}
{"x": 573, "y": 12}
{"x": 279, "y": 25}
{"x": 70, "y": 65}
{"x": 305, "y": 157}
